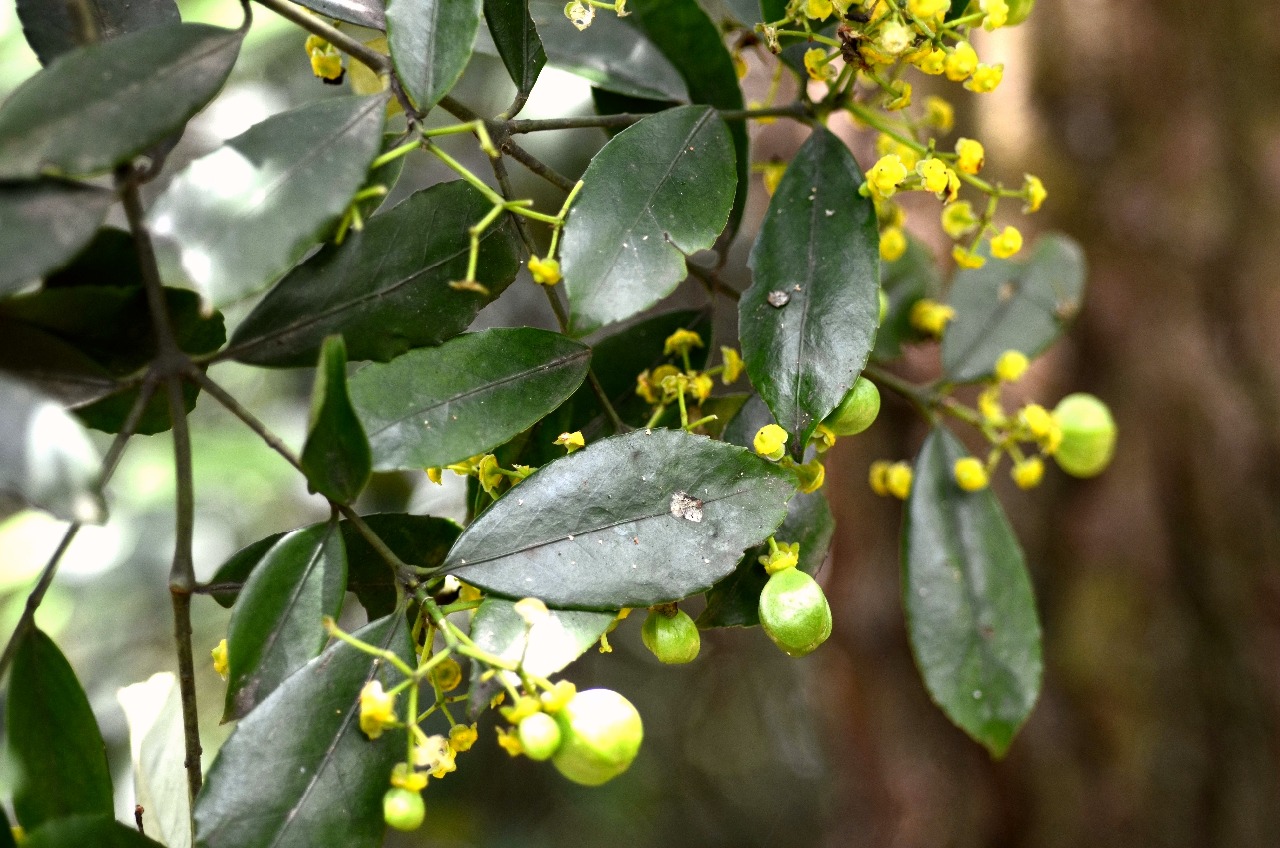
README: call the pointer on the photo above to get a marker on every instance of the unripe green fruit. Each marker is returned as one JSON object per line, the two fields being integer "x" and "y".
{"x": 794, "y": 612}
{"x": 857, "y": 411}
{"x": 539, "y": 735}
{"x": 1018, "y": 11}
{"x": 403, "y": 809}
{"x": 673, "y": 639}
{"x": 600, "y": 736}
{"x": 1088, "y": 435}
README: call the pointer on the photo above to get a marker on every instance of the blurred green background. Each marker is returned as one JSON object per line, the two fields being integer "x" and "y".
{"x": 1156, "y": 127}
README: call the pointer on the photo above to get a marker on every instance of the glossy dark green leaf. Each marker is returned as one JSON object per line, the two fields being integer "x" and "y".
{"x": 657, "y": 192}
{"x": 235, "y": 220}
{"x": 109, "y": 259}
{"x": 435, "y": 406}
{"x": 421, "y": 540}
{"x": 60, "y": 760}
{"x": 695, "y": 45}
{"x": 817, "y": 257}
{"x": 44, "y": 224}
{"x": 365, "y": 13}
{"x": 99, "y": 106}
{"x": 971, "y": 615}
{"x": 46, "y": 458}
{"x": 384, "y": 291}
{"x": 277, "y": 623}
{"x": 904, "y": 281}
{"x": 297, "y": 772}
{"x": 735, "y": 600}
{"x": 630, "y": 521}
{"x": 51, "y": 27}
{"x": 431, "y": 42}
{"x": 543, "y": 649}
{"x": 1009, "y": 305}
{"x": 517, "y": 41}
{"x": 74, "y": 340}
{"x": 611, "y": 54}
{"x": 336, "y": 456}
{"x": 81, "y": 831}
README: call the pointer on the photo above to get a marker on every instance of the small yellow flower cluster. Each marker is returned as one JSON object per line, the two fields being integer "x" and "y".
{"x": 771, "y": 443}
{"x": 930, "y": 317}
{"x": 667, "y": 384}
{"x": 487, "y": 471}
{"x": 890, "y": 479}
{"x": 326, "y": 60}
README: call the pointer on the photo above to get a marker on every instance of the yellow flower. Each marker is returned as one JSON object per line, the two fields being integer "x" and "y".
{"x": 1007, "y": 243}
{"x": 970, "y": 155}
{"x": 886, "y": 144}
{"x": 772, "y": 173}
{"x": 812, "y": 475}
{"x": 886, "y": 175}
{"x": 434, "y": 475}
{"x": 681, "y": 342}
{"x": 938, "y": 113}
{"x": 997, "y": 12}
{"x": 1042, "y": 426}
{"x": 786, "y": 556}
{"x": 580, "y": 15}
{"x": 970, "y": 474}
{"x": 546, "y": 272}
{"x": 824, "y": 438}
{"x": 816, "y": 63}
{"x": 933, "y": 63}
{"x": 986, "y": 79}
{"x": 661, "y": 379}
{"x": 960, "y": 62}
{"x": 817, "y": 9}
{"x": 893, "y": 243}
{"x": 462, "y": 737}
{"x": 895, "y": 38}
{"x": 901, "y": 97}
{"x": 1028, "y": 473}
{"x": 560, "y": 693}
{"x": 927, "y": 9}
{"x": 966, "y": 258}
{"x": 1034, "y": 191}
{"x": 930, "y": 317}
{"x": 878, "y": 476}
{"x": 377, "y": 709}
{"x": 447, "y": 676}
{"x": 571, "y": 441}
{"x": 732, "y": 365}
{"x": 469, "y": 593}
{"x": 489, "y": 474}
{"x": 646, "y": 388}
{"x": 466, "y": 467}
{"x": 219, "y": 655}
{"x": 700, "y": 386}
{"x": 327, "y": 66}
{"x": 524, "y": 706}
{"x": 958, "y": 219}
{"x": 897, "y": 480}
{"x": 406, "y": 778}
{"x": 1011, "y": 365}
{"x": 509, "y": 742}
{"x": 989, "y": 405}
{"x": 771, "y": 441}
{"x": 953, "y": 187}
{"x": 934, "y": 174}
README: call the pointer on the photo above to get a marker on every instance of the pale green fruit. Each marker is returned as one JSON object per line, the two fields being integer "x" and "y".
{"x": 1088, "y": 435}
{"x": 539, "y": 736}
{"x": 672, "y": 639}
{"x": 403, "y": 808}
{"x": 600, "y": 735}
{"x": 857, "y": 411}
{"x": 794, "y": 612}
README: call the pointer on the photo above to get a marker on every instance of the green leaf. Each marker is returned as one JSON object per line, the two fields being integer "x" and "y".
{"x": 323, "y": 781}
{"x": 383, "y": 291}
{"x": 818, "y": 256}
{"x": 1006, "y": 305}
{"x": 735, "y": 600}
{"x": 431, "y": 42}
{"x": 904, "y": 281}
{"x": 436, "y": 406}
{"x": 611, "y": 55}
{"x": 80, "y": 831}
{"x": 153, "y": 711}
{"x": 336, "y": 455}
{"x": 971, "y": 615}
{"x": 59, "y": 757}
{"x": 44, "y": 224}
{"x": 631, "y": 521}
{"x": 365, "y": 13}
{"x": 517, "y": 41}
{"x": 46, "y": 458}
{"x": 421, "y": 540}
{"x": 543, "y": 649}
{"x": 6, "y": 831}
{"x": 233, "y": 221}
{"x": 77, "y": 339}
{"x": 386, "y": 175}
{"x": 276, "y": 625}
{"x": 109, "y": 259}
{"x": 51, "y": 27}
{"x": 658, "y": 191}
{"x": 696, "y": 47}
{"x": 99, "y": 106}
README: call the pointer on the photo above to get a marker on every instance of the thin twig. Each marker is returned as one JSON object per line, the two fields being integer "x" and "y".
{"x": 796, "y": 110}
{"x": 915, "y": 395}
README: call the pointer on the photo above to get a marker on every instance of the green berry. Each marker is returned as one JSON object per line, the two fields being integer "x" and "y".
{"x": 673, "y": 639}
{"x": 794, "y": 612}
{"x": 1088, "y": 435}
{"x": 858, "y": 409}
{"x": 539, "y": 736}
{"x": 600, "y": 736}
{"x": 403, "y": 809}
